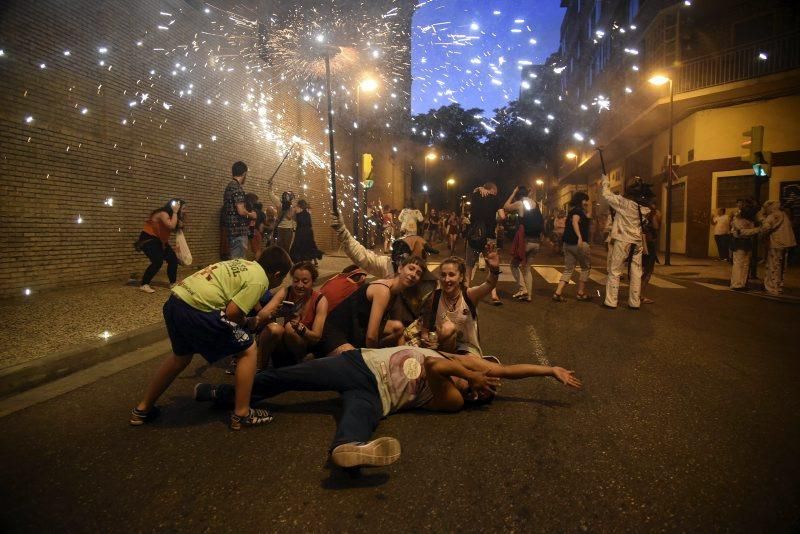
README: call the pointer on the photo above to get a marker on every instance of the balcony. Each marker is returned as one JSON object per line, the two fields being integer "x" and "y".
{"x": 732, "y": 76}
{"x": 741, "y": 63}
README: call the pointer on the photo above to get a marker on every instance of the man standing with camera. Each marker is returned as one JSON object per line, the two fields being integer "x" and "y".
{"x": 626, "y": 240}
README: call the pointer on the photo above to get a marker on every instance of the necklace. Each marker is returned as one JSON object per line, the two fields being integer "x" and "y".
{"x": 450, "y": 304}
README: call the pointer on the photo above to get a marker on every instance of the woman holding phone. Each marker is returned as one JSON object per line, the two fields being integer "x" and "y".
{"x": 303, "y": 310}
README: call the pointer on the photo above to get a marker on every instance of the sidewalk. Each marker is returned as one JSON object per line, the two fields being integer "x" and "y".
{"x": 54, "y": 333}
{"x": 707, "y": 271}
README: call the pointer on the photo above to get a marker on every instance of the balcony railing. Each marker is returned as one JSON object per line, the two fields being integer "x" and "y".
{"x": 742, "y": 63}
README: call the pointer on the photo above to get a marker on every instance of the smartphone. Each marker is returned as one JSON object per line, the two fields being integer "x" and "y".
{"x": 287, "y": 308}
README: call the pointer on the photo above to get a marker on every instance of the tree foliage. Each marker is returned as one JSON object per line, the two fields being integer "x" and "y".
{"x": 519, "y": 140}
{"x": 451, "y": 129}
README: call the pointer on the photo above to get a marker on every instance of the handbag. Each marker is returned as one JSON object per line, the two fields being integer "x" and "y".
{"x": 182, "y": 249}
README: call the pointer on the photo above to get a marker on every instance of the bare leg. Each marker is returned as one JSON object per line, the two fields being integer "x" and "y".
{"x": 169, "y": 370}
{"x": 561, "y": 284}
{"x": 392, "y": 333}
{"x": 268, "y": 341}
{"x": 245, "y": 372}
{"x": 295, "y": 343}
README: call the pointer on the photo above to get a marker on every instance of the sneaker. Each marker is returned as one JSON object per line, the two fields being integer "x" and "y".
{"x": 381, "y": 451}
{"x": 146, "y": 288}
{"x": 139, "y": 417}
{"x": 204, "y": 392}
{"x": 254, "y": 418}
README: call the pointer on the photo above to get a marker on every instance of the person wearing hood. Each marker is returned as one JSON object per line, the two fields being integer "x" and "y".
{"x": 626, "y": 239}
{"x": 777, "y": 226}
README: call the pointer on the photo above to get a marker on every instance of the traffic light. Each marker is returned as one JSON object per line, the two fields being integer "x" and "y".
{"x": 752, "y": 143}
{"x": 762, "y": 166}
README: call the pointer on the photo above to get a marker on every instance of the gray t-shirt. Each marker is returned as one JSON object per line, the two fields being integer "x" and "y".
{"x": 400, "y": 374}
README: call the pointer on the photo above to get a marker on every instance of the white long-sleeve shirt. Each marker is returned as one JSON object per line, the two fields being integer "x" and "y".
{"x": 627, "y": 226}
{"x": 408, "y": 220}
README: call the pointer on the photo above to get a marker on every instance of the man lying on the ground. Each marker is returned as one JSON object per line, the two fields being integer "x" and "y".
{"x": 374, "y": 383}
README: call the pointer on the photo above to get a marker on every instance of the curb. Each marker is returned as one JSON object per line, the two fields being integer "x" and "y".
{"x": 28, "y": 375}
{"x": 25, "y": 376}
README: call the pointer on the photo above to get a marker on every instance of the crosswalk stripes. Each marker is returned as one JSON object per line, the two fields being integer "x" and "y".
{"x": 551, "y": 274}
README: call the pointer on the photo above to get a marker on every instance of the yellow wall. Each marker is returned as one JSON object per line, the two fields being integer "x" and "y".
{"x": 717, "y": 133}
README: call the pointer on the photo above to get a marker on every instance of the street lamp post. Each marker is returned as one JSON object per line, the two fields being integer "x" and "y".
{"x": 367, "y": 84}
{"x": 661, "y": 79}
{"x": 327, "y": 53}
{"x": 429, "y": 156}
{"x": 450, "y": 182}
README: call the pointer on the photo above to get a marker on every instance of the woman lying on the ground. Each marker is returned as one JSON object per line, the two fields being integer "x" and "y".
{"x": 361, "y": 320}
{"x": 303, "y": 310}
{"x": 374, "y": 383}
{"x": 451, "y": 309}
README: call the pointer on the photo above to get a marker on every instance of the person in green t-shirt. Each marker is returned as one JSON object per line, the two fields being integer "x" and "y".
{"x": 206, "y": 314}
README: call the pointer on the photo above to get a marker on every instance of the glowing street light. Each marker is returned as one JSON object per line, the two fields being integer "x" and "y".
{"x": 539, "y": 181}
{"x": 571, "y": 155}
{"x": 431, "y": 156}
{"x": 451, "y": 181}
{"x": 658, "y": 80}
{"x": 368, "y": 85}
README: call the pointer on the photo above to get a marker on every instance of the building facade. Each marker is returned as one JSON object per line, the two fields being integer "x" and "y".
{"x": 730, "y": 65}
{"x": 112, "y": 108}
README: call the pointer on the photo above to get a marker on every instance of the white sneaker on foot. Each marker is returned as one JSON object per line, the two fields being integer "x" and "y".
{"x": 381, "y": 451}
{"x": 146, "y": 288}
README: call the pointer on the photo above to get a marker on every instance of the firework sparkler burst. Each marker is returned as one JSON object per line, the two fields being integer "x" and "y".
{"x": 602, "y": 103}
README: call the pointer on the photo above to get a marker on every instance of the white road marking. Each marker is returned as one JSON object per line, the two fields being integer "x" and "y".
{"x": 660, "y": 282}
{"x": 551, "y": 274}
{"x": 715, "y": 287}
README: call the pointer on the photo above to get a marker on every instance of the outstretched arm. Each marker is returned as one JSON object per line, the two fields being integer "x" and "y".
{"x": 446, "y": 397}
{"x": 518, "y": 371}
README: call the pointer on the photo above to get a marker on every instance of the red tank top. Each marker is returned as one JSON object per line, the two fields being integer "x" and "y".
{"x": 310, "y": 311}
{"x": 156, "y": 228}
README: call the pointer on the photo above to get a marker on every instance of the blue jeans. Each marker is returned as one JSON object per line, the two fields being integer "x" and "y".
{"x": 238, "y": 246}
{"x": 346, "y": 374}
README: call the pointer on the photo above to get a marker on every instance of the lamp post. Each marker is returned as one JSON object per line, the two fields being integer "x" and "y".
{"x": 539, "y": 183}
{"x": 660, "y": 79}
{"x": 327, "y": 51}
{"x": 430, "y": 156}
{"x": 368, "y": 85}
{"x": 450, "y": 182}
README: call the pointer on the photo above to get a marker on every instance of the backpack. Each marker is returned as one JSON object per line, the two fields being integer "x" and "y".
{"x": 341, "y": 286}
{"x": 437, "y": 295}
{"x": 533, "y": 221}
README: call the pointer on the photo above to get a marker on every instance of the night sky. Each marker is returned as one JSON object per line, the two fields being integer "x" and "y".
{"x": 464, "y": 52}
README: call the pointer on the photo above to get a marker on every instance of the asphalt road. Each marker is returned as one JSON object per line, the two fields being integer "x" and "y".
{"x": 689, "y": 421}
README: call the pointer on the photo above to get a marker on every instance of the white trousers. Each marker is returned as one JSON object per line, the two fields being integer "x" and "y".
{"x": 618, "y": 253}
{"x": 740, "y": 270}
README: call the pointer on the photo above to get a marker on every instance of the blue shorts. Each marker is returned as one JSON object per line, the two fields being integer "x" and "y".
{"x": 210, "y": 334}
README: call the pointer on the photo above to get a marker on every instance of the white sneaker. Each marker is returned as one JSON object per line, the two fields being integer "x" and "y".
{"x": 146, "y": 288}
{"x": 381, "y": 451}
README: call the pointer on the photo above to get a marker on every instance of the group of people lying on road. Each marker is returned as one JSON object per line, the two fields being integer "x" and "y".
{"x": 404, "y": 340}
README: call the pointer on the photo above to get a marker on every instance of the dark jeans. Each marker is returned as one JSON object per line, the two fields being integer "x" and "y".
{"x": 347, "y": 374}
{"x": 157, "y": 253}
{"x": 723, "y": 246}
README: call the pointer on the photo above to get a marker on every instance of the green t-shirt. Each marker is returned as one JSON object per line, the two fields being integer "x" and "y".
{"x": 240, "y": 281}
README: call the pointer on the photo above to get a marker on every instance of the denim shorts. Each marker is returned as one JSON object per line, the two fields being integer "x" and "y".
{"x": 210, "y": 334}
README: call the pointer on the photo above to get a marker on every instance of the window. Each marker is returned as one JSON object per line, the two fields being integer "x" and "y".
{"x": 690, "y": 155}
{"x": 633, "y": 10}
{"x": 729, "y": 188}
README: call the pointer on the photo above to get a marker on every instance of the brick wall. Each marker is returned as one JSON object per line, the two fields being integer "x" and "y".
{"x": 64, "y": 164}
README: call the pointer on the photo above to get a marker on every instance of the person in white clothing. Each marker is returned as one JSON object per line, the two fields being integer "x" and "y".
{"x": 625, "y": 242}
{"x": 781, "y": 238}
{"x": 409, "y": 218}
{"x": 722, "y": 230}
